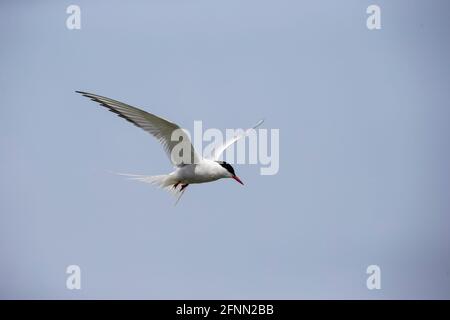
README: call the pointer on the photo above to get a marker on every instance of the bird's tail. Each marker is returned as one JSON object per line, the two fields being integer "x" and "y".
{"x": 165, "y": 182}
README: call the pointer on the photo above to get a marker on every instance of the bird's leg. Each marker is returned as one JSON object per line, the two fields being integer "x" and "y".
{"x": 184, "y": 186}
{"x": 176, "y": 185}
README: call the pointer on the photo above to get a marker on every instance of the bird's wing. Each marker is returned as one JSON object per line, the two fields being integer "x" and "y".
{"x": 220, "y": 149}
{"x": 160, "y": 128}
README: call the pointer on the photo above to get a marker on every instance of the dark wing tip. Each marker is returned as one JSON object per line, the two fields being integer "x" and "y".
{"x": 107, "y": 106}
{"x": 93, "y": 98}
{"x": 84, "y": 94}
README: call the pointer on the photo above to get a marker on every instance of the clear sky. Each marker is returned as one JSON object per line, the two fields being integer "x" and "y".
{"x": 364, "y": 139}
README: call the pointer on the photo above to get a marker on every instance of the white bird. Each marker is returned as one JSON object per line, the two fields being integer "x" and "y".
{"x": 199, "y": 170}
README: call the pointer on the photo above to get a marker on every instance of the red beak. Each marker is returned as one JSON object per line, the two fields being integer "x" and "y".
{"x": 237, "y": 179}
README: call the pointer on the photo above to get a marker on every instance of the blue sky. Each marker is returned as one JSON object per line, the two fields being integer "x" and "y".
{"x": 363, "y": 119}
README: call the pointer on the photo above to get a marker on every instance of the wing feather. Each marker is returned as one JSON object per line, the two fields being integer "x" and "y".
{"x": 220, "y": 149}
{"x": 158, "y": 127}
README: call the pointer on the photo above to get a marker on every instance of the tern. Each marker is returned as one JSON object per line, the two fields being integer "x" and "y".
{"x": 200, "y": 170}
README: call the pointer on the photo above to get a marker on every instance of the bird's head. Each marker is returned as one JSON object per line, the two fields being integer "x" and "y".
{"x": 229, "y": 171}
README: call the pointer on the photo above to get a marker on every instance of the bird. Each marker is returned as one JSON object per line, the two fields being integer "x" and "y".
{"x": 198, "y": 170}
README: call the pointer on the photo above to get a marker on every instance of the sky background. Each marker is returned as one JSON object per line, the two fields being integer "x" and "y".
{"x": 364, "y": 149}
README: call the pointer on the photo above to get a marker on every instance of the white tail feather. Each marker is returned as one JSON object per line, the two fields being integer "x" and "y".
{"x": 165, "y": 182}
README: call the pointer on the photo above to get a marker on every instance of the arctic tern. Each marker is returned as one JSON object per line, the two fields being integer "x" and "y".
{"x": 199, "y": 170}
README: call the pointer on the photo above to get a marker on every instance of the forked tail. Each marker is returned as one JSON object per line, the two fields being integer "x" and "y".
{"x": 166, "y": 182}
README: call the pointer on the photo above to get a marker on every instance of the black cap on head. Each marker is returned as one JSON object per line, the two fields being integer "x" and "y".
{"x": 227, "y": 166}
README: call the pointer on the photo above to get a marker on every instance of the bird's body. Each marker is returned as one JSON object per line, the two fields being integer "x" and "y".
{"x": 198, "y": 170}
{"x": 204, "y": 171}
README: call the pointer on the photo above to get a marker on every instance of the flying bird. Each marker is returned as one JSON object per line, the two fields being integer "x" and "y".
{"x": 198, "y": 170}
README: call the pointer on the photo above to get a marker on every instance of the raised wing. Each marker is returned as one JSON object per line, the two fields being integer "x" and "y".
{"x": 220, "y": 149}
{"x": 158, "y": 127}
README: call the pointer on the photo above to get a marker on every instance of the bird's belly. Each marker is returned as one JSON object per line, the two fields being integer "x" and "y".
{"x": 196, "y": 174}
{"x": 201, "y": 179}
